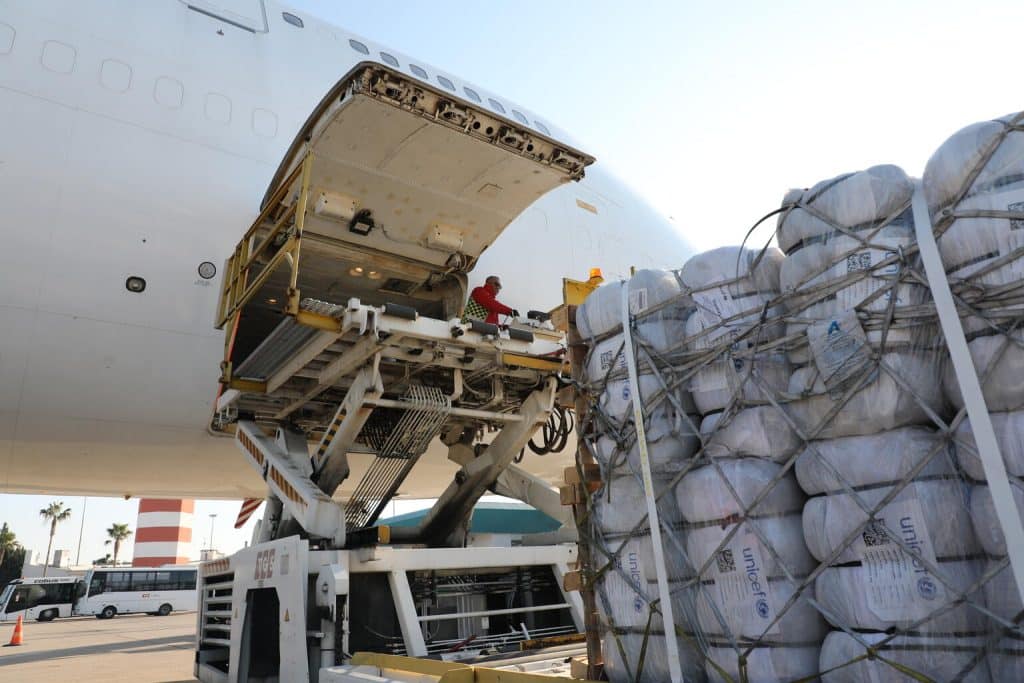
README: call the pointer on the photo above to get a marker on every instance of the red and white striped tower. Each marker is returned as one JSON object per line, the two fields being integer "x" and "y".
{"x": 163, "y": 533}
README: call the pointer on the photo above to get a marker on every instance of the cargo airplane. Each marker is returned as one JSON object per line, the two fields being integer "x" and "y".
{"x": 139, "y": 139}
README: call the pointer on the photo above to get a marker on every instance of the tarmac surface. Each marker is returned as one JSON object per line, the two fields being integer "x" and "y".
{"x": 137, "y": 648}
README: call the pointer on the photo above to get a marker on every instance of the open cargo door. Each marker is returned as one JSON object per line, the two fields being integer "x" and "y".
{"x": 383, "y": 203}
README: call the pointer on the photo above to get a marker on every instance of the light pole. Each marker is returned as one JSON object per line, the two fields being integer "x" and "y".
{"x": 213, "y": 516}
{"x": 81, "y": 528}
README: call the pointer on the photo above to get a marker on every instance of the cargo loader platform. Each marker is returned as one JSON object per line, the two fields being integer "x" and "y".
{"x": 348, "y": 368}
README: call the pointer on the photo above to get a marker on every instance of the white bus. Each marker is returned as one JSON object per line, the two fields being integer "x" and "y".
{"x": 153, "y": 590}
{"x": 103, "y": 592}
{"x": 42, "y": 599}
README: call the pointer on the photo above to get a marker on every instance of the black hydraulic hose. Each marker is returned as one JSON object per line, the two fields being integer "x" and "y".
{"x": 555, "y": 432}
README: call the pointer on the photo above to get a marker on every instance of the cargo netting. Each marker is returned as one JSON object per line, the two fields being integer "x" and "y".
{"x": 823, "y": 510}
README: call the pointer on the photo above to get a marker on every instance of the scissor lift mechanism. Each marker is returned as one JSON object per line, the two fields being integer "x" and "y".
{"x": 340, "y": 306}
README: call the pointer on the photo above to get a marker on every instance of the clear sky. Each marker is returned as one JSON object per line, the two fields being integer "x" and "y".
{"x": 711, "y": 110}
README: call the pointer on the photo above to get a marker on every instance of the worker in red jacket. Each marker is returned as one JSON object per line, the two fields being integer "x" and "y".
{"x": 483, "y": 304}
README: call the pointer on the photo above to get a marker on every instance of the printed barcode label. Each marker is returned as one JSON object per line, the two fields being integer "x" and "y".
{"x": 874, "y": 533}
{"x": 899, "y": 586}
{"x": 744, "y": 594}
{"x": 1016, "y": 207}
{"x": 726, "y": 563}
{"x": 858, "y": 261}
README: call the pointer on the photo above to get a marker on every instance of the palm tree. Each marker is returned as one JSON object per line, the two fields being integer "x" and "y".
{"x": 54, "y": 512}
{"x": 7, "y": 542}
{"x": 117, "y": 533}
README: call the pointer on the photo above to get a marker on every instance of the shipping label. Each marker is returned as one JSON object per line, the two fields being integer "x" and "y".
{"x": 744, "y": 595}
{"x": 899, "y": 587}
{"x": 840, "y": 349}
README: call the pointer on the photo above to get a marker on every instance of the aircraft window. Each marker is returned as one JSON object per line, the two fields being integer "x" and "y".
{"x": 418, "y": 71}
{"x": 290, "y": 18}
{"x": 7, "y": 34}
{"x": 519, "y": 117}
{"x": 542, "y": 128}
{"x": 446, "y": 83}
{"x": 168, "y": 92}
{"x": 497, "y": 105}
{"x": 472, "y": 94}
{"x": 358, "y": 47}
{"x": 115, "y": 75}
{"x": 58, "y": 57}
{"x": 389, "y": 60}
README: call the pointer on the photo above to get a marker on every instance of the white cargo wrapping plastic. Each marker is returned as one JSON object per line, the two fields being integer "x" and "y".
{"x": 758, "y": 613}
{"x": 937, "y": 657}
{"x": 601, "y": 312}
{"x": 620, "y": 506}
{"x": 731, "y": 287}
{"x": 784, "y": 533}
{"x": 830, "y": 465}
{"x": 717, "y": 384}
{"x": 616, "y": 401}
{"x": 1009, "y": 429}
{"x": 764, "y": 664}
{"x": 852, "y": 202}
{"x": 999, "y": 361}
{"x": 859, "y": 597}
{"x": 608, "y": 355}
{"x": 654, "y": 667}
{"x": 847, "y": 270}
{"x": 626, "y": 590}
{"x": 870, "y": 416}
{"x": 761, "y": 431}
{"x": 883, "y": 404}
{"x": 983, "y": 516}
{"x": 669, "y": 448}
{"x": 730, "y": 486}
{"x": 937, "y": 508}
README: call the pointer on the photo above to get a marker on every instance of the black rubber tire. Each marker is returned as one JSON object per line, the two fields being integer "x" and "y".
{"x": 47, "y": 615}
{"x": 164, "y": 610}
{"x": 109, "y": 612}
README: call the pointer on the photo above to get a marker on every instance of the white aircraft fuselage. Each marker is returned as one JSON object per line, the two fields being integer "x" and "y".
{"x": 138, "y": 141}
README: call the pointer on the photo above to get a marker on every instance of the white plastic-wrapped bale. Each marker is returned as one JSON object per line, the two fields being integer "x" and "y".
{"x": 1009, "y": 429}
{"x": 653, "y": 668}
{"x": 627, "y": 588}
{"x": 883, "y": 403}
{"x": 1005, "y": 657}
{"x": 730, "y": 287}
{"x": 933, "y": 512}
{"x": 851, "y": 202}
{"x": 706, "y": 493}
{"x": 783, "y": 662}
{"x": 745, "y": 585}
{"x": 761, "y": 432}
{"x": 999, "y": 362}
{"x": 974, "y": 185}
{"x": 671, "y": 442}
{"x": 607, "y": 372}
{"x": 752, "y": 564}
{"x": 715, "y": 385}
{"x": 601, "y": 312}
{"x": 620, "y": 506}
{"x": 830, "y": 465}
{"x": 986, "y": 523}
{"x": 940, "y": 658}
{"x": 859, "y": 597}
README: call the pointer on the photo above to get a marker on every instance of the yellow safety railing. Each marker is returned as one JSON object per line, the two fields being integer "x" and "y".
{"x": 239, "y": 285}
